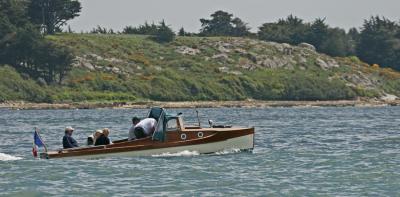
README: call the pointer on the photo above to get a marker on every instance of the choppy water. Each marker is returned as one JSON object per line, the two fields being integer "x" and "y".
{"x": 299, "y": 151}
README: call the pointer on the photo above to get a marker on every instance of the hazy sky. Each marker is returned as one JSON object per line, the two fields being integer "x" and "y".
{"x": 118, "y": 13}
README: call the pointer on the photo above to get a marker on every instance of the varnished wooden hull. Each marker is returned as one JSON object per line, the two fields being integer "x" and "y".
{"x": 202, "y": 141}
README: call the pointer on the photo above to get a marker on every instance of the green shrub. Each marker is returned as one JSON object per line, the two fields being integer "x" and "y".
{"x": 14, "y": 87}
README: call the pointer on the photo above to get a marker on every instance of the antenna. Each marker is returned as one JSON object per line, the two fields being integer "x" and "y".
{"x": 198, "y": 118}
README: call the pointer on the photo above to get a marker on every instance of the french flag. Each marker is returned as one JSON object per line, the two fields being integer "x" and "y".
{"x": 37, "y": 142}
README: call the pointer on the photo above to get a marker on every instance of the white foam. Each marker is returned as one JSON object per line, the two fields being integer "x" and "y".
{"x": 5, "y": 157}
{"x": 184, "y": 153}
{"x": 228, "y": 151}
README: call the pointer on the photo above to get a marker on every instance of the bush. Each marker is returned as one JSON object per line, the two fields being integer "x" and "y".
{"x": 164, "y": 33}
{"x": 13, "y": 87}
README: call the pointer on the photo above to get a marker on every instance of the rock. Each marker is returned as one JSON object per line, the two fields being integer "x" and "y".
{"x": 307, "y": 46}
{"x": 236, "y": 72}
{"x": 241, "y": 51}
{"x": 115, "y": 60}
{"x": 158, "y": 68}
{"x": 95, "y": 56}
{"x": 223, "y": 69}
{"x": 389, "y": 97}
{"x": 274, "y": 62}
{"x": 221, "y": 56}
{"x": 252, "y": 57}
{"x": 249, "y": 67}
{"x": 289, "y": 67}
{"x": 321, "y": 63}
{"x": 286, "y": 45}
{"x": 41, "y": 81}
{"x": 185, "y": 50}
{"x": 331, "y": 63}
{"x": 278, "y": 46}
{"x": 302, "y": 60}
{"x": 88, "y": 65}
{"x": 222, "y": 49}
{"x": 359, "y": 79}
{"x": 116, "y": 70}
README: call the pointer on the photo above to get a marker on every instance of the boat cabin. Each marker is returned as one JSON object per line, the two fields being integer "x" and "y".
{"x": 167, "y": 124}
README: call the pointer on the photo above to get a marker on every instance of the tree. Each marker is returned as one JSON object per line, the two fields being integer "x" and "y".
{"x": 318, "y": 33}
{"x": 53, "y": 14}
{"x": 101, "y": 30}
{"x": 291, "y": 30}
{"x": 240, "y": 28}
{"x": 23, "y": 47}
{"x": 145, "y": 29}
{"x": 164, "y": 33}
{"x": 353, "y": 38}
{"x": 223, "y": 24}
{"x": 379, "y": 42}
{"x": 274, "y": 32}
{"x": 336, "y": 43}
{"x": 54, "y": 61}
{"x": 182, "y": 32}
{"x": 17, "y": 34}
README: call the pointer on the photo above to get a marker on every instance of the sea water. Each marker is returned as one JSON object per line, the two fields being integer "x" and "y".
{"x": 298, "y": 152}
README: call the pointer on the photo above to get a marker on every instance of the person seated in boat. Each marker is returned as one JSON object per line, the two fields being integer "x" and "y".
{"x": 145, "y": 128}
{"x": 68, "y": 140}
{"x": 96, "y": 135}
{"x": 103, "y": 139}
{"x": 135, "y": 121}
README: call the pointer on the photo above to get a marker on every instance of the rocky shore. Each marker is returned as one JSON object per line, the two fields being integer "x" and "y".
{"x": 200, "y": 104}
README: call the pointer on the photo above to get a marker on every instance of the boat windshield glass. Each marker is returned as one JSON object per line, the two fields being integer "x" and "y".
{"x": 172, "y": 124}
{"x": 160, "y": 128}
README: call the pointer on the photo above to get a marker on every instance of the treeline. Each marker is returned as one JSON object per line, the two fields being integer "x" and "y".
{"x": 23, "y": 24}
{"x": 376, "y": 42}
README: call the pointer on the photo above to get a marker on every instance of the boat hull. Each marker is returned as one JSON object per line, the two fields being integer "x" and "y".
{"x": 238, "y": 143}
{"x": 210, "y": 141}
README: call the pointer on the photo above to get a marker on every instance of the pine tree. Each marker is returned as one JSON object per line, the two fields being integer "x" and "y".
{"x": 182, "y": 32}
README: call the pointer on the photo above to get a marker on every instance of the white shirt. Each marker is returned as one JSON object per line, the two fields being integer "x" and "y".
{"x": 132, "y": 133}
{"x": 148, "y": 125}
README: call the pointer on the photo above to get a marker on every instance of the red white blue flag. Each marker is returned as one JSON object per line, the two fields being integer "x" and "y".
{"x": 37, "y": 142}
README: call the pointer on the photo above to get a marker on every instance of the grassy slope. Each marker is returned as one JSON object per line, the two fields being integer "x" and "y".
{"x": 134, "y": 67}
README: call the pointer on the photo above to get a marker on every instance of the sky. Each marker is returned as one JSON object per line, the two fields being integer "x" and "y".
{"x": 117, "y": 14}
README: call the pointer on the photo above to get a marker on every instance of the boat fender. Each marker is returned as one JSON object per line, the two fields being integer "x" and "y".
{"x": 183, "y": 136}
{"x": 200, "y": 134}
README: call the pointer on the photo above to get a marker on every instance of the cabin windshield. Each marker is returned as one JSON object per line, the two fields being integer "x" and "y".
{"x": 159, "y": 115}
{"x": 156, "y": 113}
{"x": 165, "y": 122}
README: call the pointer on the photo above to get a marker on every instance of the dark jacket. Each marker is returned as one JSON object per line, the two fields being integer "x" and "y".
{"x": 69, "y": 142}
{"x": 102, "y": 140}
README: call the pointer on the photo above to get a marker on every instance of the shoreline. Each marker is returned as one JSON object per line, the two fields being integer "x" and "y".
{"x": 198, "y": 104}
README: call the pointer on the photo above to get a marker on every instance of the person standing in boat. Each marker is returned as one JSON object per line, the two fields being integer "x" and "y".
{"x": 135, "y": 121}
{"x": 103, "y": 139}
{"x": 145, "y": 128}
{"x": 68, "y": 140}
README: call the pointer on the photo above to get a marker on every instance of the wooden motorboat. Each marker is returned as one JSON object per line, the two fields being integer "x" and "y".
{"x": 170, "y": 136}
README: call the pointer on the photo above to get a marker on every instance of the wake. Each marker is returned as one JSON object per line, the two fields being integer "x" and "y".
{"x": 5, "y": 157}
{"x": 184, "y": 153}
